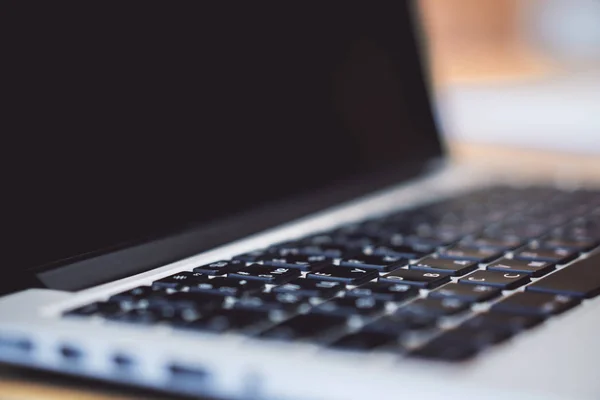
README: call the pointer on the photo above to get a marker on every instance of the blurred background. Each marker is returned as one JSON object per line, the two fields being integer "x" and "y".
{"x": 517, "y": 73}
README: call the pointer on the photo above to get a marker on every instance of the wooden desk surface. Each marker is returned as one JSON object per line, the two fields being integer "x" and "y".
{"x": 16, "y": 384}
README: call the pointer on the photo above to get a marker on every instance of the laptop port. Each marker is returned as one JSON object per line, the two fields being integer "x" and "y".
{"x": 15, "y": 345}
{"x": 188, "y": 375}
{"x": 123, "y": 362}
{"x": 70, "y": 353}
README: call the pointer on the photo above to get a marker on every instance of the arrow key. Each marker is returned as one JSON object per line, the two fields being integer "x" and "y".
{"x": 351, "y": 276}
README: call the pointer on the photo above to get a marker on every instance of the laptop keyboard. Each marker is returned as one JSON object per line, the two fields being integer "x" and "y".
{"x": 442, "y": 281}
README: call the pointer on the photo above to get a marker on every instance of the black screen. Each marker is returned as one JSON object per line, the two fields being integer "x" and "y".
{"x": 132, "y": 120}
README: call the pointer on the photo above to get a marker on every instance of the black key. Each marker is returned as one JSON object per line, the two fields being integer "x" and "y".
{"x": 349, "y": 306}
{"x": 135, "y": 295}
{"x": 159, "y": 298}
{"x": 310, "y": 288}
{"x": 430, "y": 242}
{"x": 385, "y": 291}
{"x": 588, "y": 226}
{"x": 305, "y": 326}
{"x": 469, "y": 293}
{"x": 178, "y": 316}
{"x": 527, "y": 230}
{"x": 401, "y": 251}
{"x": 364, "y": 340}
{"x": 504, "y": 237}
{"x": 557, "y": 255}
{"x": 442, "y": 350}
{"x": 180, "y": 280}
{"x": 98, "y": 308}
{"x": 582, "y": 245}
{"x": 334, "y": 250}
{"x": 171, "y": 313}
{"x": 533, "y": 268}
{"x": 320, "y": 239}
{"x": 434, "y": 307}
{"x": 193, "y": 300}
{"x": 373, "y": 225}
{"x": 398, "y": 243}
{"x": 463, "y": 336}
{"x": 465, "y": 253}
{"x": 283, "y": 250}
{"x": 330, "y": 251}
{"x": 399, "y": 324}
{"x": 172, "y": 308}
{"x": 301, "y": 262}
{"x": 348, "y": 230}
{"x": 537, "y": 304}
{"x": 139, "y": 316}
{"x": 422, "y": 279}
{"x": 343, "y": 242}
{"x": 88, "y": 309}
{"x": 251, "y": 256}
{"x": 582, "y": 279}
{"x": 274, "y": 301}
{"x": 502, "y": 280}
{"x": 355, "y": 244}
{"x": 222, "y": 286}
{"x": 353, "y": 276}
{"x": 581, "y": 234}
{"x": 503, "y": 322}
{"x": 499, "y": 244}
{"x": 273, "y": 275}
{"x": 453, "y": 267}
{"x": 225, "y": 320}
{"x": 221, "y": 267}
{"x": 380, "y": 263}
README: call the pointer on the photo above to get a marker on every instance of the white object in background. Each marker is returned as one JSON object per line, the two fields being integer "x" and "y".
{"x": 569, "y": 30}
{"x": 560, "y": 113}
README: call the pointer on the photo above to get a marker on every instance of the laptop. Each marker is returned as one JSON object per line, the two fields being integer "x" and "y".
{"x": 253, "y": 200}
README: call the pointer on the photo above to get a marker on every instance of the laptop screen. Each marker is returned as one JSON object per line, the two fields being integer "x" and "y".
{"x": 136, "y": 121}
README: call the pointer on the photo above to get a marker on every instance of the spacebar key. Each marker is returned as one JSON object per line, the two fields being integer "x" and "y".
{"x": 581, "y": 279}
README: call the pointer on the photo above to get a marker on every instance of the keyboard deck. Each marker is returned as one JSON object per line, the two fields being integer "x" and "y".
{"x": 442, "y": 281}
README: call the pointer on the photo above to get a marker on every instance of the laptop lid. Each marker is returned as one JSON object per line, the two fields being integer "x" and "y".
{"x": 143, "y": 123}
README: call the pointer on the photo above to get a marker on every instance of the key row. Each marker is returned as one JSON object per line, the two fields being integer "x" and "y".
{"x": 505, "y": 274}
